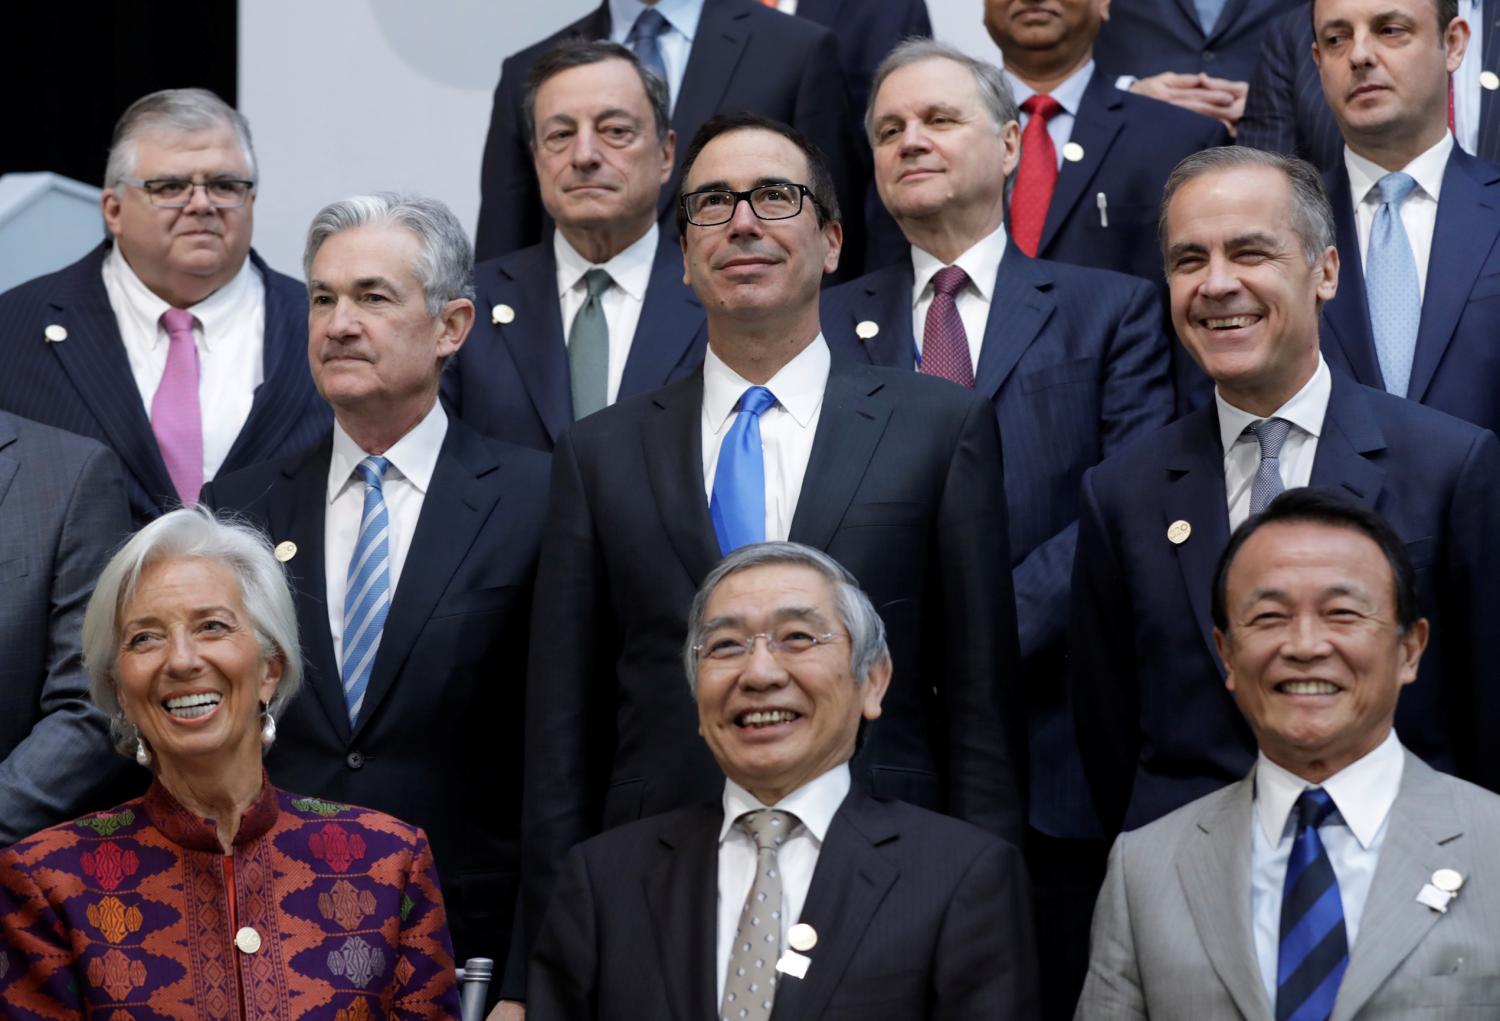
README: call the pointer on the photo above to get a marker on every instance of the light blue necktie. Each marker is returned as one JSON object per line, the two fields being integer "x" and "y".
{"x": 1270, "y": 433}
{"x": 1313, "y": 951}
{"x": 648, "y": 27}
{"x": 367, "y": 597}
{"x": 1208, "y": 14}
{"x": 738, "y": 506}
{"x": 1391, "y": 283}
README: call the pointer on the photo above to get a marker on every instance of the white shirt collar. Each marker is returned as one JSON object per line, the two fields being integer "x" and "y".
{"x": 1069, "y": 92}
{"x": 214, "y": 313}
{"x": 413, "y": 457}
{"x": 1427, "y": 169}
{"x": 1362, "y": 791}
{"x": 682, "y": 15}
{"x": 630, "y": 269}
{"x": 814, "y": 803}
{"x": 798, "y": 387}
{"x": 981, "y": 263}
{"x": 1306, "y": 409}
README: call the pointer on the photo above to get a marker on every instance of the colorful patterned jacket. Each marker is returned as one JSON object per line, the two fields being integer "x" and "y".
{"x": 324, "y": 911}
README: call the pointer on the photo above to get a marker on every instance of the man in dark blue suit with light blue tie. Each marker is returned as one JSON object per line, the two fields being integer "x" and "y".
{"x": 602, "y": 149}
{"x": 1074, "y": 363}
{"x": 1418, "y": 308}
{"x": 1248, "y": 242}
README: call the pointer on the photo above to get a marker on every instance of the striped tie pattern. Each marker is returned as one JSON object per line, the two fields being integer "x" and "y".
{"x": 367, "y": 598}
{"x": 1313, "y": 952}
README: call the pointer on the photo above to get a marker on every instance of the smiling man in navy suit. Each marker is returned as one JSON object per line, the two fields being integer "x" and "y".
{"x": 598, "y": 311}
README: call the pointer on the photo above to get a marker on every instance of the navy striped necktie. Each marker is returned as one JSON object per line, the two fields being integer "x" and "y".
{"x": 1314, "y": 950}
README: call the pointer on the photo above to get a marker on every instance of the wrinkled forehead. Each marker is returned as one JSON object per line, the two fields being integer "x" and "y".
{"x": 1221, "y": 205}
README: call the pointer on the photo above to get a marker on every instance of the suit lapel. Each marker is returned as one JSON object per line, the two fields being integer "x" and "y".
{"x": 527, "y": 282}
{"x": 1424, "y": 834}
{"x": 284, "y": 358}
{"x": 1213, "y": 864}
{"x": 672, "y": 447}
{"x": 884, "y": 299}
{"x": 670, "y": 316}
{"x": 1489, "y": 107}
{"x": 1346, "y": 319}
{"x": 851, "y": 880}
{"x": 853, "y": 419}
{"x": 1350, "y": 432}
{"x": 1195, "y": 493}
{"x": 1467, "y": 225}
{"x": 717, "y": 47}
{"x": 1020, "y": 307}
{"x": 8, "y": 463}
{"x": 1097, "y": 123}
{"x": 1227, "y": 17}
{"x": 681, "y": 893}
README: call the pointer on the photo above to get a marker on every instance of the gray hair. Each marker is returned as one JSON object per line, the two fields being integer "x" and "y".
{"x": 1312, "y": 215}
{"x": 180, "y": 111}
{"x": 445, "y": 263}
{"x": 191, "y": 532}
{"x": 580, "y": 53}
{"x": 867, "y": 645}
{"x": 994, "y": 93}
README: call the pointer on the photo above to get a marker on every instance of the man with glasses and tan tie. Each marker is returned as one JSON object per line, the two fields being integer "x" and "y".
{"x": 795, "y": 891}
{"x": 172, "y": 342}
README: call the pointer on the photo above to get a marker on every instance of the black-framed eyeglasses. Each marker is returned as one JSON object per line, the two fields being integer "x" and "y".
{"x": 714, "y": 206}
{"x": 177, "y": 192}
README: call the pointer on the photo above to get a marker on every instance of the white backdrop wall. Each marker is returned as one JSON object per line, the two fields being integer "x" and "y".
{"x": 346, "y": 96}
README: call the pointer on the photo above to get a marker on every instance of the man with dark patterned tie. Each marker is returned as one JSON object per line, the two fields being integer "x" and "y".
{"x": 1343, "y": 878}
{"x": 794, "y": 891}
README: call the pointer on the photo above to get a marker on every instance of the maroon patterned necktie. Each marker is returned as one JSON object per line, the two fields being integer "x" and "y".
{"x": 945, "y": 347}
{"x": 1036, "y": 178}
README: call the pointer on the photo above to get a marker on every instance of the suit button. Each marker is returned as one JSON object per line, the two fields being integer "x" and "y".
{"x": 354, "y": 760}
{"x": 1208, "y": 56}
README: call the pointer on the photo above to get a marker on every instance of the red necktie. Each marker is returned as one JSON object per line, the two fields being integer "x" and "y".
{"x": 945, "y": 346}
{"x": 1037, "y": 175}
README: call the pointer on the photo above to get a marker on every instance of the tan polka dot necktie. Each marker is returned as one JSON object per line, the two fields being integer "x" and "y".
{"x": 750, "y": 982}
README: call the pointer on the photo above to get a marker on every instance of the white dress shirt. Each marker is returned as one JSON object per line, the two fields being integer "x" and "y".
{"x": 1069, "y": 94}
{"x": 631, "y": 272}
{"x": 1418, "y": 211}
{"x": 412, "y": 458}
{"x": 786, "y": 428}
{"x": 1305, "y": 410}
{"x": 1467, "y": 92}
{"x": 229, "y": 328}
{"x": 1363, "y": 792}
{"x": 981, "y": 263}
{"x": 675, "y": 44}
{"x": 814, "y": 804}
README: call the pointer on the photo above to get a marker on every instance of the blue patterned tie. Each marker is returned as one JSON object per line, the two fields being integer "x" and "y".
{"x": 1271, "y": 433}
{"x": 1313, "y": 952}
{"x": 1391, "y": 283}
{"x": 648, "y": 27}
{"x": 738, "y": 506}
{"x": 367, "y": 597}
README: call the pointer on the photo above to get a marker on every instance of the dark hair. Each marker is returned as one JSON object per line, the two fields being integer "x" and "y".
{"x": 579, "y": 53}
{"x": 825, "y": 199}
{"x": 1316, "y": 506}
{"x": 1446, "y": 11}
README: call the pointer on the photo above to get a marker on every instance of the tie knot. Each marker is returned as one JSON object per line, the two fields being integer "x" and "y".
{"x": 1314, "y": 806}
{"x": 372, "y": 470}
{"x": 1271, "y": 433}
{"x": 597, "y": 281}
{"x": 1395, "y": 187}
{"x": 648, "y": 25}
{"x": 178, "y": 322}
{"x": 949, "y": 280}
{"x": 769, "y": 828}
{"x": 1041, "y": 105}
{"x": 756, "y": 399}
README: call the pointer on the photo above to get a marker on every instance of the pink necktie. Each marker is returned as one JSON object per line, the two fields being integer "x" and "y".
{"x": 175, "y": 417}
{"x": 945, "y": 346}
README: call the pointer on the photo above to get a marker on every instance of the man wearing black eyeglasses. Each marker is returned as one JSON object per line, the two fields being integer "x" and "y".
{"x": 895, "y": 475}
{"x": 172, "y": 342}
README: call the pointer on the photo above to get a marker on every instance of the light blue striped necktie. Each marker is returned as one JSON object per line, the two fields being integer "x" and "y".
{"x": 1391, "y": 283}
{"x": 367, "y": 597}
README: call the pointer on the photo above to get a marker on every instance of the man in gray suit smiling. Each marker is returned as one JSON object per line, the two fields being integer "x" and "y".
{"x": 1343, "y": 878}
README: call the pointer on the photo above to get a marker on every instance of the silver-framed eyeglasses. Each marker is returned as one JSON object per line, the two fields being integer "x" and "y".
{"x": 177, "y": 192}
{"x": 788, "y": 644}
{"x": 714, "y": 206}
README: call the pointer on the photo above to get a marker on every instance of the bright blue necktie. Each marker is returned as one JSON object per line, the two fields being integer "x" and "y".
{"x": 367, "y": 597}
{"x": 1313, "y": 951}
{"x": 738, "y": 506}
{"x": 648, "y": 27}
{"x": 1392, "y": 286}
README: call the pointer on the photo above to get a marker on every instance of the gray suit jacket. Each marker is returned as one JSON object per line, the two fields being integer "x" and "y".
{"x": 63, "y": 510}
{"x": 1172, "y": 930}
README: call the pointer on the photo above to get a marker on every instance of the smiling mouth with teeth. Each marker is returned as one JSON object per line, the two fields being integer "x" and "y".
{"x": 191, "y": 707}
{"x": 765, "y": 718}
{"x": 1307, "y": 688}
{"x": 1230, "y": 322}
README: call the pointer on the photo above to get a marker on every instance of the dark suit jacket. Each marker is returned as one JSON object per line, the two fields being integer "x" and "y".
{"x": 1286, "y": 111}
{"x": 918, "y": 916}
{"x": 1155, "y": 723}
{"x": 62, "y": 512}
{"x": 83, "y": 384}
{"x": 1075, "y": 364}
{"x": 1146, "y": 37}
{"x": 904, "y": 488}
{"x": 1130, "y": 145}
{"x": 1457, "y": 363}
{"x": 511, "y": 380}
{"x": 438, "y": 742}
{"x": 745, "y": 56}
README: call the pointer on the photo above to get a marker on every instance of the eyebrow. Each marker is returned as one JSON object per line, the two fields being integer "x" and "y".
{"x": 1332, "y": 591}
{"x": 197, "y": 612}
{"x": 733, "y": 621}
{"x": 760, "y": 182}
